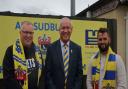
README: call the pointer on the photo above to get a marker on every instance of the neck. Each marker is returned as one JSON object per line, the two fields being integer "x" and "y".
{"x": 27, "y": 46}
{"x": 104, "y": 53}
{"x": 65, "y": 42}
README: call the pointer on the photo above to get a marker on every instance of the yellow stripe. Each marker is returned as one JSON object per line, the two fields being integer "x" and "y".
{"x": 66, "y": 67}
{"x": 112, "y": 66}
{"x": 66, "y": 73}
{"x": 106, "y": 82}
{"x": 65, "y": 55}
{"x": 66, "y": 61}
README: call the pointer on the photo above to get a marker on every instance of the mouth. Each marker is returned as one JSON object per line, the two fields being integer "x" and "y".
{"x": 28, "y": 39}
{"x": 103, "y": 46}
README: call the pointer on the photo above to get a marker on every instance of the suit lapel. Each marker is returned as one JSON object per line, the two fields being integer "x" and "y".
{"x": 70, "y": 54}
{"x": 59, "y": 54}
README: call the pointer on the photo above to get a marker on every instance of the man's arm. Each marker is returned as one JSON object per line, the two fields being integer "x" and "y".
{"x": 42, "y": 77}
{"x": 89, "y": 75}
{"x": 78, "y": 83}
{"x": 8, "y": 70}
{"x": 121, "y": 74}
{"x": 48, "y": 69}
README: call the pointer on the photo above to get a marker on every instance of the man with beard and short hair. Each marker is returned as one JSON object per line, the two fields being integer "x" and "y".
{"x": 106, "y": 69}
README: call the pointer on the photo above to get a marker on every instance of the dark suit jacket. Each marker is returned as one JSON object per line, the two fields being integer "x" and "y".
{"x": 9, "y": 77}
{"x": 55, "y": 67}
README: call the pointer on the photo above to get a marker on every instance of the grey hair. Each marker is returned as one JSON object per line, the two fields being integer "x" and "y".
{"x": 25, "y": 22}
{"x": 65, "y": 18}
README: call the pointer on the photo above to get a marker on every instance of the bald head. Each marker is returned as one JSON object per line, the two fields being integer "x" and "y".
{"x": 65, "y": 29}
{"x": 26, "y": 33}
{"x": 26, "y": 23}
{"x": 65, "y": 20}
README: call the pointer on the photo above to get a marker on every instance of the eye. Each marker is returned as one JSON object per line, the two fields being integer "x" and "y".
{"x": 66, "y": 27}
{"x": 105, "y": 38}
{"x": 99, "y": 39}
{"x": 27, "y": 32}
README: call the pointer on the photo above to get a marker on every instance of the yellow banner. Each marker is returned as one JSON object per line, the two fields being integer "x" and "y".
{"x": 84, "y": 34}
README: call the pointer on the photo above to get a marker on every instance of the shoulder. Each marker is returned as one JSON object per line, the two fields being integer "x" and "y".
{"x": 120, "y": 63}
{"x": 95, "y": 55}
{"x": 36, "y": 47}
{"x": 118, "y": 56}
{"x": 9, "y": 49}
{"x": 9, "y": 53}
{"x": 54, "y": 44}
{"x": 93, "y": 58}
{"x": 118, "y": 59}
{"x": 75, "y": 45}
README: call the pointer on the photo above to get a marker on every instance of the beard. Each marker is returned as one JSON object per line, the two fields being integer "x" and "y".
{"x": 103, "y": 49}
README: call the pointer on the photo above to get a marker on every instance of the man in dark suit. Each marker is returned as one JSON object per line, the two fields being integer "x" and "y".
{"x": 64, "y": 61}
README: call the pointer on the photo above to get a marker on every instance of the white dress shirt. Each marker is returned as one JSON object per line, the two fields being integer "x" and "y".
{"x": 121, "y": 73}
{"x": 62, "y": 47}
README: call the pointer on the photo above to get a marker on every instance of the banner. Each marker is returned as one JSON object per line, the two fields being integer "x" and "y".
{"x": 46, "y": 31}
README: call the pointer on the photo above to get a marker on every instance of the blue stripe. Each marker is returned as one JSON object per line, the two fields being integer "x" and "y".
{"x": 96, "y": 56}
{"x": 65, "y": 59}
{"x": 66, "y": 77}
{"x": 110, "y": 75}
{"x": 1, "y": 69}
{"x": 19, "y": 60}
{"x": 65, "y": 52}
{"x": 36, "y": 48}
{"x": 112, "y": 57}
{"x": 95, "y": 70}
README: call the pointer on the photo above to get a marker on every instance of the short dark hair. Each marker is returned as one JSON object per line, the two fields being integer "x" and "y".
{"x": 103, "y": 30}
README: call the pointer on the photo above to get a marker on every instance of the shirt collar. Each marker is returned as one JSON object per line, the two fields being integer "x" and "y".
{"x": 62, "y": 43}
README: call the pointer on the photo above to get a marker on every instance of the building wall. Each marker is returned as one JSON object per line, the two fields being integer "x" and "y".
{"x": 119, "y": 14}
{"x": 127, "y": 45}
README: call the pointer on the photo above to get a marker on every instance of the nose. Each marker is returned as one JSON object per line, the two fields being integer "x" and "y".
{"x": 102, "y": 41}
{"x": 65, "y": 30}
{"x": 28, "y": 34}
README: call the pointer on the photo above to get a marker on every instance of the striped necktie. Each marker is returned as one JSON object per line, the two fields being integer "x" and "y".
{"x": 66, "y": 63}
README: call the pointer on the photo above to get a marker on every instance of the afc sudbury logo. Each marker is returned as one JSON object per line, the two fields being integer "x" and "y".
{"x": 91, "y": 37}
{"x": 44, "y": 42}
{"x": 20, "y": 73}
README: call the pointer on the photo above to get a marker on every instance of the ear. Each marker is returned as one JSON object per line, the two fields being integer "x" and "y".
{"x": 109, "y": 40}
{"x": 59, "y": 30}
{"x": 20, "y": 31}
{"x": 71, "y": 29}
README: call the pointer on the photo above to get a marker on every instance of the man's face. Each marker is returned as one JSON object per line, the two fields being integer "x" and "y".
{"x": 26, "y": 35}
{"x": 65, "y": 31}
{"x": 103, "y": 42}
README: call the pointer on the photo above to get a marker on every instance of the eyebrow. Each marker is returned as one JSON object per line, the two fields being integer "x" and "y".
{"x": 27, "y": 31}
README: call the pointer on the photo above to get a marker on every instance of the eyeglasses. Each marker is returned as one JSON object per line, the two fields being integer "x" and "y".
{"x": 27, "y": 32}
